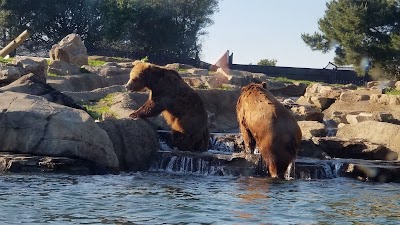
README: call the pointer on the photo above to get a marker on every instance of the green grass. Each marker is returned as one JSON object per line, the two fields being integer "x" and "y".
{"x": 96, "y": 109}
{"x": 226, "y": 87}
{"x": 307, "y": 82}
{"x": 392, "y": 91}
{"x": 287, "y": 80}
{"x": 182, "y": 70}
{"x": 96, "y": 62}
{"x": 52, "y": 74}
{"x": 8, "y": 60}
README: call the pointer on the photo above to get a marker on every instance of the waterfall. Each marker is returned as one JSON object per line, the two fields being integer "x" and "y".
{"x": 330, "y": 127}
{"x": 308, "y": 168}
{"x": 224, "y": 159}
{"x": 188, "y": 165}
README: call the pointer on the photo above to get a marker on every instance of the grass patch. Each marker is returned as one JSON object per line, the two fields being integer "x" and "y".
{"x": 8, "y": 60}
{"x": 307, "y": 82}
{"x": 182, "y": 70}
{"x": 392, "y": 91}
{"x": 96, "y": 62}
{"x": 96, "y": 109}
{"x": 287, "y": 80}
{"x": 52, "y": 74}
{"x": 226, "y": 87}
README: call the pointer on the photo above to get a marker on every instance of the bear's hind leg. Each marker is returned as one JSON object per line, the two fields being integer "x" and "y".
{"x": 248, "y": 139}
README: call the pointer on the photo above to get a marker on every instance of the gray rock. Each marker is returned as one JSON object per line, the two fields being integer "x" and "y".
{"x": 31, "y": 124}
{"x": 30, "y": 84}
{"x": 35, "y": 65}
{"x": 135, "y": 142}
{"x": 10, "y": 73}
{"x": 96, "y": 94}
{"x": 79, "y": 83}
{"x": 63, "y": 68}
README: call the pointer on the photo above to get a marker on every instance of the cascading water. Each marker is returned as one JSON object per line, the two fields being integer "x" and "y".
{"x": 309, "y": 168}
{"x": 330, "y": 127}
{"x": 191, "y": 164}
{"x": 223, "y": 160}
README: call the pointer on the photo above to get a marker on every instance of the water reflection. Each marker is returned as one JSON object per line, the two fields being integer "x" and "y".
{"x": 155, "y": 198}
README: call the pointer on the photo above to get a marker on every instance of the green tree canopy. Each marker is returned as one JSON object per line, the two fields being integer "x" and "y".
{"x": 48, "y": 20}
{"x": 267, "y": 62}
{"x": 163, "y": 30}
{"x": 365, "y": 34}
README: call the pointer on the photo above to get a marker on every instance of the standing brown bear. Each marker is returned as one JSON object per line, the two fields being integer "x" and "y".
{"x": 179, "y": 104}
{"x": 265, "y": 122}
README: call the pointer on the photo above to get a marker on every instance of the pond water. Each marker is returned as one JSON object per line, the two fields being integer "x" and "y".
{"x": 167, "y": 198}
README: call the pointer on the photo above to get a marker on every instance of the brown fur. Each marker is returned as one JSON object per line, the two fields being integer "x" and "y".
{"x": 180, "y": 105}
{"x": 265, "y": 122}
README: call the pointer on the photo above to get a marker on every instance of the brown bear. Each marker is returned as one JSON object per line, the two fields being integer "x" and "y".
{"x": 264, "y": 122}
{"x": 180, "y": 105}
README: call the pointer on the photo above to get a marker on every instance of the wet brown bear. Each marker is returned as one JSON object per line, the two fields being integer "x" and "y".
{"x": 265, "y": 122}
{"x": 179, "y": 104}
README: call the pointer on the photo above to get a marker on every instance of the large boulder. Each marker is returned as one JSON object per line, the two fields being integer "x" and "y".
{"x": 70, "y": 49}
{"x": 373, "y": 131}
{"x": 135, "y": 142}
{"x": 30, "y": 124}
{"x": 30, "y": 84}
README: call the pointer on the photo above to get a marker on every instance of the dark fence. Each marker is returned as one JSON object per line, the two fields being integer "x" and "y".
{"x": 330, "y": 76}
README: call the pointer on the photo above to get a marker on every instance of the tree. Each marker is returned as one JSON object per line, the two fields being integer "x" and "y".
{"x": 164, "y": 30}
{"x": 267, "y": 62}
{"x": 365, "y": 34}
{"x": 49, "y": 20}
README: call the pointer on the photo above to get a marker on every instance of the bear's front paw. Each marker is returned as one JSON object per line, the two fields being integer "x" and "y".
{"x": 134, "y": 115}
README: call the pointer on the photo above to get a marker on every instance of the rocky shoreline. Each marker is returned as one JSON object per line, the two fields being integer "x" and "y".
{"x": 45, "y": 126}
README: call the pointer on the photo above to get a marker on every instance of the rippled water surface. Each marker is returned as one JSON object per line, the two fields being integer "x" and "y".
{"x": 161, "y": 198}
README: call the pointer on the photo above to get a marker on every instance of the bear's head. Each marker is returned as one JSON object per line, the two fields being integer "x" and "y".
{"x": 138, "y": 76}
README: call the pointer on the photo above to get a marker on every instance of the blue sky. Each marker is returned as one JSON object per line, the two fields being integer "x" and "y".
{"x": 266, "y": 29}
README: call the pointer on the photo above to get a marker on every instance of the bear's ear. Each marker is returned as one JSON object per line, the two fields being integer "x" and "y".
{"x": 134, "y": 63}
{"x": 264, "y": 85}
